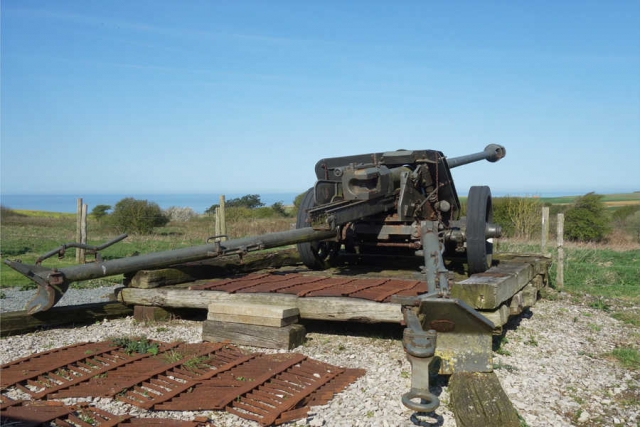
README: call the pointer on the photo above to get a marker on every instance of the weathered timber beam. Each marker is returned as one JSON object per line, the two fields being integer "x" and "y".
{"x": 478, "y": 400}
{"x": 19, "y": 322}
{"x": 316, "y": 308}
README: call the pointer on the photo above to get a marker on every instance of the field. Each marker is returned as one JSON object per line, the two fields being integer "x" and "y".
{"x": 605, "y": 275}
{"x": 610, "y": 200}
{"x": 26, "y": 235}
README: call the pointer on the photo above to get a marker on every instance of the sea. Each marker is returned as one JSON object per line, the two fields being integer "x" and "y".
{"x": 68, "y": 203}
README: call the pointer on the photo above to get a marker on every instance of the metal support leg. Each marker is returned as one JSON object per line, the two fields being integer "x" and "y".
{"x": 420, "y": 346}
{"x": 436, "y": 272}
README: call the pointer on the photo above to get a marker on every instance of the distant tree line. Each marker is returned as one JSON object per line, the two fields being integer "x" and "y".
{"x": 586, "y": 220}
{"x": 142, "y": 216}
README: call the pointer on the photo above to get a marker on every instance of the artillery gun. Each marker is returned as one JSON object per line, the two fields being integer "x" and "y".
{"x": 392, "y": 203}
{"x": 376, "y": 202}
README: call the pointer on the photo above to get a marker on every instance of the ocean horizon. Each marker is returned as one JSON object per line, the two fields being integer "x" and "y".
{"x": 66, "y": 203}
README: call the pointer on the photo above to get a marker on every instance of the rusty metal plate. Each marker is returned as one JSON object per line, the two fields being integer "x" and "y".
{"x": 268, "y": 389}
{"x": 58, "y": 414}
{"x": 373, "y": 289}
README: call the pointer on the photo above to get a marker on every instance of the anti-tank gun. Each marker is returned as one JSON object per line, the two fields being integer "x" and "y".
{"x": 378, "y": 201}
{"x": 405, "y": 202}
{"x": 392, "y": 203}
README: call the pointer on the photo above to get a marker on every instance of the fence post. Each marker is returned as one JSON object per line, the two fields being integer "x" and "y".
{"x": 560, "y": 240}
{"x": 78, "y": 229}
{"x": 216, "y": 226}
{"x": 83, "y": 233}
{"x": 223, "y": 219}
{"x": 545, "y": 230}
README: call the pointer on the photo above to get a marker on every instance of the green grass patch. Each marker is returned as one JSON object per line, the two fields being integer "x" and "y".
{"x": 598, "y": 272}
{"x": 628, "y": 317}
{"x": 139, "y": 345}
{"x": 627, "y": 356}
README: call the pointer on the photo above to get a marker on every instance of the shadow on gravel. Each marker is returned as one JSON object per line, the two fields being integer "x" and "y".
{"x": 369, "y": 330}
{"x": 512, "y": 324}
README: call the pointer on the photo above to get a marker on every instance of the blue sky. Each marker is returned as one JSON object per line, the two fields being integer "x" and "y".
{"x": 245, "y": 96}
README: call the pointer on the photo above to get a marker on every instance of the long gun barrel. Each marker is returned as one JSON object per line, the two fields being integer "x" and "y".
{"x": 492, "y": 153}
{"x": 53, "y": 283}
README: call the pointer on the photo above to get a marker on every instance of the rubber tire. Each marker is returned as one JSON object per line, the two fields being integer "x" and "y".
{"x": 315, "y": 255}
{"x": 479, "y": 213}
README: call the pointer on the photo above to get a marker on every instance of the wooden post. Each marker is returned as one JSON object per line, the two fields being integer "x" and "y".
{"x": 216, "y": 227}
{"x": 83, "y": 233}
{"x": 78, "y": 227}
{"x": 223, "y": 220}
{"x": 545, "y": 230}
{"x": 560, "y": 240}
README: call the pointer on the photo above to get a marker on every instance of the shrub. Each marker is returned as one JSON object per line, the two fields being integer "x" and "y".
{"x": 520, "y": 217}
{"x": 137, "y": 216}
{"x": 178, "y": 214}
{"x": 250, "y": 201}
{"x": 8, "y": 212}
{"x": 100, "y": 211}
{"x": 586, "y": 220}
{"x": 278, "y": 209}
{"x": 632, "y": 226}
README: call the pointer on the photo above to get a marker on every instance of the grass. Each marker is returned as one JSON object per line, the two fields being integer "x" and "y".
{"x": 614, "y": 199}
{"x": 600, "y": 272}
{"x": 26, "y": 235}
{"x": 628, "y": 357}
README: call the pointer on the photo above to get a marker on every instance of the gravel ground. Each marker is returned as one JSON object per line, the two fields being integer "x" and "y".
{"x": 553, "y": 363}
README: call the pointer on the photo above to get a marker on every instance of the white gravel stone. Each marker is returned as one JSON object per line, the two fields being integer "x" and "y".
{"x": 554, "y": 366}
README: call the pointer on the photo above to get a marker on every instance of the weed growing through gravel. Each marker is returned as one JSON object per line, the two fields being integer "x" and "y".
{"x": 139, "y": 345}
{"x": 195, "y": 362}
{"x": 629, "y": 317}
{"x": 594, "y": 327}
{"x": 629, "y": 357}
{"x": 172, "y": 356}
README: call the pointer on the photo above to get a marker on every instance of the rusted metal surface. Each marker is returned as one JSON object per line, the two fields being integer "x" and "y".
{"x": 373, "y": 289}
{"x": 58, "y": 414}
{"x": 207, "y": 376}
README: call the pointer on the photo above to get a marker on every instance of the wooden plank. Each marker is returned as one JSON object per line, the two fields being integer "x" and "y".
{"x": 253, "y": 314}
{"x": 486, "y": 291}
{"x": 478, "y": 400}
{"x": 317, "y": 308}
{"x": 19, "y": 322}
{"x": 253, "y": 320}
{"x": 499, "y": 317}
{"x": 259, "y": 310}
{"x": 288, "y": 337}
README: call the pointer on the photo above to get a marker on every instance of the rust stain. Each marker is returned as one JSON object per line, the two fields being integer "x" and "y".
{"x": 373, "y": 289}
{"x": 269, "y": 389}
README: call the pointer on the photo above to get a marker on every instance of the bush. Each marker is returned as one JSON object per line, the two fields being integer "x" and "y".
{"x": 632, "y": 226}
{"x": 278, "y": 209}
{"x": 8, "y": 212}
{"x": 586, "y": 220}
{"x": 137, "y": 216}
{"x": 177, "y": 214}
{"x": 100, "y": 211}
{"x": 250, "y": 201}
{"x": 520, "y": 217}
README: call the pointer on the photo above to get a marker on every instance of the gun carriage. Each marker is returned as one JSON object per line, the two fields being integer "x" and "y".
{"x": 394, "y": 203}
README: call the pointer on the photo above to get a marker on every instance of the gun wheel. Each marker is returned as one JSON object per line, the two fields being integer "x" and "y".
{"x": 315, "y": 255}
{"x": 479, "y": 214}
